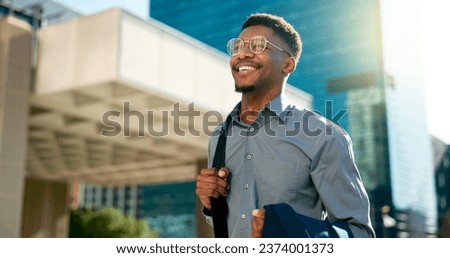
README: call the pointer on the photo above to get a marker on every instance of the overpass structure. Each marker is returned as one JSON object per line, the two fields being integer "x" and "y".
{"x": 107, "y": 99}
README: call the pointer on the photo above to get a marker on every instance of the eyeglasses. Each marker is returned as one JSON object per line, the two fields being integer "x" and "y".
{"x": 256, "y": 44}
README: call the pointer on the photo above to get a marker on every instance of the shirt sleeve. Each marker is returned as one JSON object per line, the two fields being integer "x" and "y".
{"x": 339, "y": 184}
{"x": 208, "y": 216}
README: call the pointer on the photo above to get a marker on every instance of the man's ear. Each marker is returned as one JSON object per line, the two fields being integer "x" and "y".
{"x": 289, "y": 66}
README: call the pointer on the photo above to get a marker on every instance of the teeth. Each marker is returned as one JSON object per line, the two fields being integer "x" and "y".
{"x": 246, "y": 68}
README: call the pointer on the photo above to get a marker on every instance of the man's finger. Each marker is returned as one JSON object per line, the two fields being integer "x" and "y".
{"x": 208, "y": 172}
{"x": 214, "y": 183}
{"x": 224, "y": 173}
{"x": 259, "y": 213}
{"x": 210, "y": 189}
{"x": 258, "y": 222}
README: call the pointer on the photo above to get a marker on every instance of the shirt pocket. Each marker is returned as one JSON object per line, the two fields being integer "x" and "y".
{"x": 276, "y": 181}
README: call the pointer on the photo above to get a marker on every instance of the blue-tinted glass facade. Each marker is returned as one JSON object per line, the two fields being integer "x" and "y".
{"x": 170, "y": 209}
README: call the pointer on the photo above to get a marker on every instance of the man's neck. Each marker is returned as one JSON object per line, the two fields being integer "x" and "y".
{"x": 253, "y": 102}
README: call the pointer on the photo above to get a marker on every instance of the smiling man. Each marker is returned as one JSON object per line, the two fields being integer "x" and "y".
{"x": 277, "y": 152}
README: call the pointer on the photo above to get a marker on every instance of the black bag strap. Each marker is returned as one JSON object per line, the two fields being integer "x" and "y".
{"x": 219, "y": 206}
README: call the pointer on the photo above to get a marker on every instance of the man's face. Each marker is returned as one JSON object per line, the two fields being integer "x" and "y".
{"x": 258, "y": 71}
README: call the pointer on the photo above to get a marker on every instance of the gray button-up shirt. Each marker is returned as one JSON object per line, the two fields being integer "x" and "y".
{"x": 295, "y": 156}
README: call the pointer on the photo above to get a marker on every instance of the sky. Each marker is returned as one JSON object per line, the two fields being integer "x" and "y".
{"x": 434, "y": 16}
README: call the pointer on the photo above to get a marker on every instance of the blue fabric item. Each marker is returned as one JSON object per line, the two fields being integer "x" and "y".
{"x": 281, "y": 221}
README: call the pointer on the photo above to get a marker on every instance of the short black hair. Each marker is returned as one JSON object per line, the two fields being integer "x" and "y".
{"x": 281, "y": 27}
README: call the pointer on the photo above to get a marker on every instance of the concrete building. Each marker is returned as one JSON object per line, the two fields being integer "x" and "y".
{"x": 442, "y": 169}
{"x": 107, "y": 99}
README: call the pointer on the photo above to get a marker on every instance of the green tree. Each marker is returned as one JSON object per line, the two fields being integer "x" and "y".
{"x": 106, "y": 223}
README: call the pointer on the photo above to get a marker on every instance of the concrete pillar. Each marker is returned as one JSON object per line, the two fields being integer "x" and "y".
{"x": 46, "y": 209}
{"x": 15, "y": 85}
{"x": 203, "y": 228}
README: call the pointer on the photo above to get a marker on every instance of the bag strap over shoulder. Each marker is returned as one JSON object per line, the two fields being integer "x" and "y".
{"x": 219, "y": 206}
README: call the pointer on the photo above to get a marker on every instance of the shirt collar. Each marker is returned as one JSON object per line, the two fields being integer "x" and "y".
{"x": 280, "y": 106}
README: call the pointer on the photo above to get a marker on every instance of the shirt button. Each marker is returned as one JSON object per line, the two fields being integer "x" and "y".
{"x": 251, "y": 129}
{"x": 246, "y": 186}
{"x": 243, "y": 216}
{"x": 249, "y": 156}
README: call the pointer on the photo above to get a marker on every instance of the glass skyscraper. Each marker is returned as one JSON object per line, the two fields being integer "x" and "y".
{"x": 358, "y": 63}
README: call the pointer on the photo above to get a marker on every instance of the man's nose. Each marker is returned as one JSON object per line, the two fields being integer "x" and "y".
{"x": 245, "y": 52}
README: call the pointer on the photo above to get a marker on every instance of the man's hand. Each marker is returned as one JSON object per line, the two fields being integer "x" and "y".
{"x": 212, "y": 183}
{"x": 258, "y": 222}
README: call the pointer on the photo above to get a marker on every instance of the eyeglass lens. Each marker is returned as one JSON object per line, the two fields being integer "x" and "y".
{"x": 257, "y": 45}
